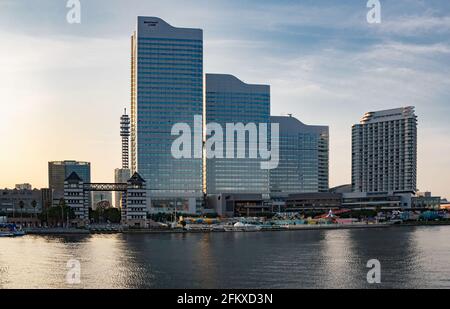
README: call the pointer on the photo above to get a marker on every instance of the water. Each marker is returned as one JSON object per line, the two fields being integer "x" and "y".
{"x": 411, "y": 257}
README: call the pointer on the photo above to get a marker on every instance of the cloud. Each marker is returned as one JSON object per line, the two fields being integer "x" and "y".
{"x": 416, "y": 25}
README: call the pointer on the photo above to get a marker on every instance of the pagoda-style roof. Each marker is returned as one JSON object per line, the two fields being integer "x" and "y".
{"x": 74, "y": 178}
{"x": 136, "y": 179}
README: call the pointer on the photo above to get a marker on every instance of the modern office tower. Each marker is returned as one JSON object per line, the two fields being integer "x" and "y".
{"x": 166, "y": 89}
{"x": 304, "y": 158}
{"x": 229, "y": 100}
{"x": 58, "y": 171}
{"x": 384, "y": 151}
{"x": 121, "y": 175}
{"x": 125, "y": 134}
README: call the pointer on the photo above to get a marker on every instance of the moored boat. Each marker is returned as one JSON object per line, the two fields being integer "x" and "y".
{"x": 242, "y": 227}
{"x": 10, "y": 230}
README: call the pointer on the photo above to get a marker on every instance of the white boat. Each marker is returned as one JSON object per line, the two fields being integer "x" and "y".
{"x": 242, "y": 227}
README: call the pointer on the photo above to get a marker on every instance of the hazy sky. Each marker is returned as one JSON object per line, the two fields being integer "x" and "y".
{"x": 63, "y": 86}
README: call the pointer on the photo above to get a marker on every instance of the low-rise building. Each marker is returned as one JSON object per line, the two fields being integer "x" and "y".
{"x": 378, "y": 200}
{"x": 312, "y": 201}
{"x": 239, "y": 204}
{"x": 16, "y": 202}
{"x": 425, "y": 200}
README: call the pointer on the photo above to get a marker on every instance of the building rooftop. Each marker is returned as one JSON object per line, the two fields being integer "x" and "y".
{"x": 73, "y": 177}
{"x": 228, "y": 82}
{"x": 389, "y": 115}
{"x": 295, "y": 126}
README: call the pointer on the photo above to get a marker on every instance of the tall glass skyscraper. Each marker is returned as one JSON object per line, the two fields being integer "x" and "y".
{"x": 304, "y": 158}
{"x": 229, "y": 100}
{"x": 166, "y": 88}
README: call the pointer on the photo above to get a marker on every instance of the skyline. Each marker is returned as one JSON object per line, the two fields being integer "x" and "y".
{"x": 82, "y": 63}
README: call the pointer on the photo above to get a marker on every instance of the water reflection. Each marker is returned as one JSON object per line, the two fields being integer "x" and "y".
{"x": 410, "y": 257}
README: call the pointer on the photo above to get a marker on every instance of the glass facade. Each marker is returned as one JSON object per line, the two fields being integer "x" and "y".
{"x": 229, "y": 100}
{"x": 58, "y": 171}
{"x": 304, "y": 158}
{"x": 167, "y": 88}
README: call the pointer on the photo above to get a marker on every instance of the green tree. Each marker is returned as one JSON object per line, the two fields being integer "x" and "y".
{"x": 34, "y": 204}
{"x": 21, "y": 206}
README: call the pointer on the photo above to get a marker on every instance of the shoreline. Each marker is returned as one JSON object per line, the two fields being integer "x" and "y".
{"x": 64, "y": 232}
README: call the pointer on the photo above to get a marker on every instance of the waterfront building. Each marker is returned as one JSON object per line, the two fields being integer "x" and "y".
{"x": 229, "y": 100}
{"x": 166, "y": 89}
{"x": 14, "y": 202}
{"x": 24, "y": 186}
{"x": 425, "y": 200}
{"x": 239, "y": 204}
{"x": 304, "y": 158}
{"x": 58, "y": 171}
{"x": 384, "y": 152}
{"x": 134, "y": 210}
{"x": 377, "y": 200}
{"x": 77, "y": 199}
{"x": 312, "y": 201}
{"x": 77, "y": 195}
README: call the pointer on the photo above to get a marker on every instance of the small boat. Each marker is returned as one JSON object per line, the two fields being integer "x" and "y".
{"x": 10, "y": 230}
{"x": 242, "y": 227}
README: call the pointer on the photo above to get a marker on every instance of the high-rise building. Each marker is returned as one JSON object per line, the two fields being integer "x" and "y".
{"x": 58, "y": 171}
{"x": 166, "y": 89}
{"x": 384, "y": 151}
{"x": 125, "y": 134}
{"x": 304, "y": 158}
{"x": 229, "y": 100}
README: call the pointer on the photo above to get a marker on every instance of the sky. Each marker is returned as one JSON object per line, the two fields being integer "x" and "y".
{"x": 63, "y": 86}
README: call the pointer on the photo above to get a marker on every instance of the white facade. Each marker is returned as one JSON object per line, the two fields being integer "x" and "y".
{"x": 77, "y": 199}
{"x": 134, "y": 201}
{"x": 384, "y": 152}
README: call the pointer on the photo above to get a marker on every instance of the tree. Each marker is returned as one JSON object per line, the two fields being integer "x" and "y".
{"x": 34, "y": 204}
{"x": 21, "y": 206}
{"x": 62, "y": 205}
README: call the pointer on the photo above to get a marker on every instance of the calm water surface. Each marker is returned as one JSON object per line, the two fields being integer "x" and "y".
{"x": 416, "y": 257}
